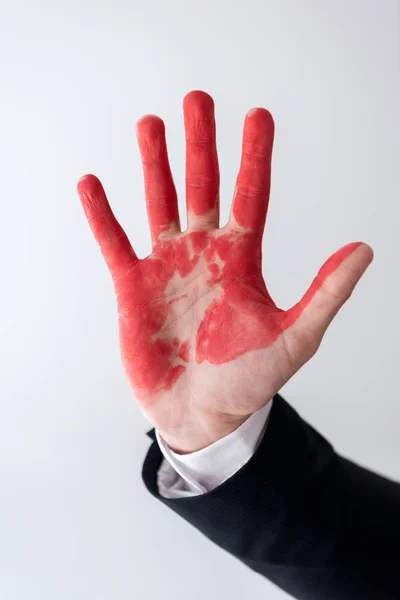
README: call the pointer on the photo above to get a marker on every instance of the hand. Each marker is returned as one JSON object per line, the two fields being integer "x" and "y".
{"x": 202, "y": 342}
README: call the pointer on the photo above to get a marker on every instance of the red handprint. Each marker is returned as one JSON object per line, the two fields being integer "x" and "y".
{"x": 202, "y": 341}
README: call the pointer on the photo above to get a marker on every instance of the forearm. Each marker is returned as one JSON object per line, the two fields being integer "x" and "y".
{"x": 312, "y": 522}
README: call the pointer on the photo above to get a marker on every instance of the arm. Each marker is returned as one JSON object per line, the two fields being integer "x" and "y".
{"x": 203, "y": 344}
{"x": 317, "y": 525}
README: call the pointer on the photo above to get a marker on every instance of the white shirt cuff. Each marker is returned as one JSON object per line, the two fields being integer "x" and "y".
{"x": 183, "y": 475}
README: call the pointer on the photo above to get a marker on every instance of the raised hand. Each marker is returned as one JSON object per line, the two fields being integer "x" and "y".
{"x": 202, "y": 342}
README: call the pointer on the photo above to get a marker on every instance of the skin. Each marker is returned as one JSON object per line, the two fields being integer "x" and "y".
{"x": 202, "y": 342}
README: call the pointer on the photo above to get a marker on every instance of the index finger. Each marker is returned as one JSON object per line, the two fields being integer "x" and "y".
{"x": 250, "y": 203}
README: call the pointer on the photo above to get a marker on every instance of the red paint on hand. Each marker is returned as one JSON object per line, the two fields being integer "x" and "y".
{"x": 202, "y": 172}
{"x": 207, "y": 284}
{"x": 199, "y": 299}
{"x": 184, "y": 351}
{"x": 251, "y": 199}
{"x": 161, "y": 200}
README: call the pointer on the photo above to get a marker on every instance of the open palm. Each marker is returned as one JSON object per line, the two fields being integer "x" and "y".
{"x": 202, "y": 341}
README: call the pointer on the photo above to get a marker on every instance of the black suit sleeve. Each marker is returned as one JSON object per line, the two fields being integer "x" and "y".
{"x": 317, "y": 525}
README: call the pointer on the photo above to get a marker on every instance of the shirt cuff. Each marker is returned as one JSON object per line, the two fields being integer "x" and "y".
{"x": 183, "y": 475}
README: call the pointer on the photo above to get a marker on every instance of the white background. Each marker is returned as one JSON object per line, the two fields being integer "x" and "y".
{"x": 75, "y": 519}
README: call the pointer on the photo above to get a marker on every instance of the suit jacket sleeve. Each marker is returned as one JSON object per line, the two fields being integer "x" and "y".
{"x": 314, "y": 523}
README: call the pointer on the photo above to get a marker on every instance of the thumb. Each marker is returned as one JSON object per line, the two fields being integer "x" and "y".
{"x": 332, "y": 286}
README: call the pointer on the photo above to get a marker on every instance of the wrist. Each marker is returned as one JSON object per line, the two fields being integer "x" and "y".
{"x": 200, "y": 433}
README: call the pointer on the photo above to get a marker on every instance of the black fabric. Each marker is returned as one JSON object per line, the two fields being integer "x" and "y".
{"x": 317, "y": 525}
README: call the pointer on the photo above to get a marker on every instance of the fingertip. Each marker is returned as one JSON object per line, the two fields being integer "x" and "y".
{"x": 149, "y": 125}
{"x": 198, "y": 99}
{"x": 261, "y": 116}
{"x": 362, "y": 251}
{"x": 259, "y": 131}
{"x": 198, "y": 115}
{"x": 89, "y": 184}
{"x": 367, "y": 251}
{"x": 150, "y": 132}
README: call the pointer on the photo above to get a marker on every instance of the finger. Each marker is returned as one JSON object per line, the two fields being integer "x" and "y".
{"x": 202, "y": 172}
{"x": 331, "y": 288}
{"x": 251, "y": 196}
{"x": 112, "y": 239}
{"x": 160, "y": 193}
